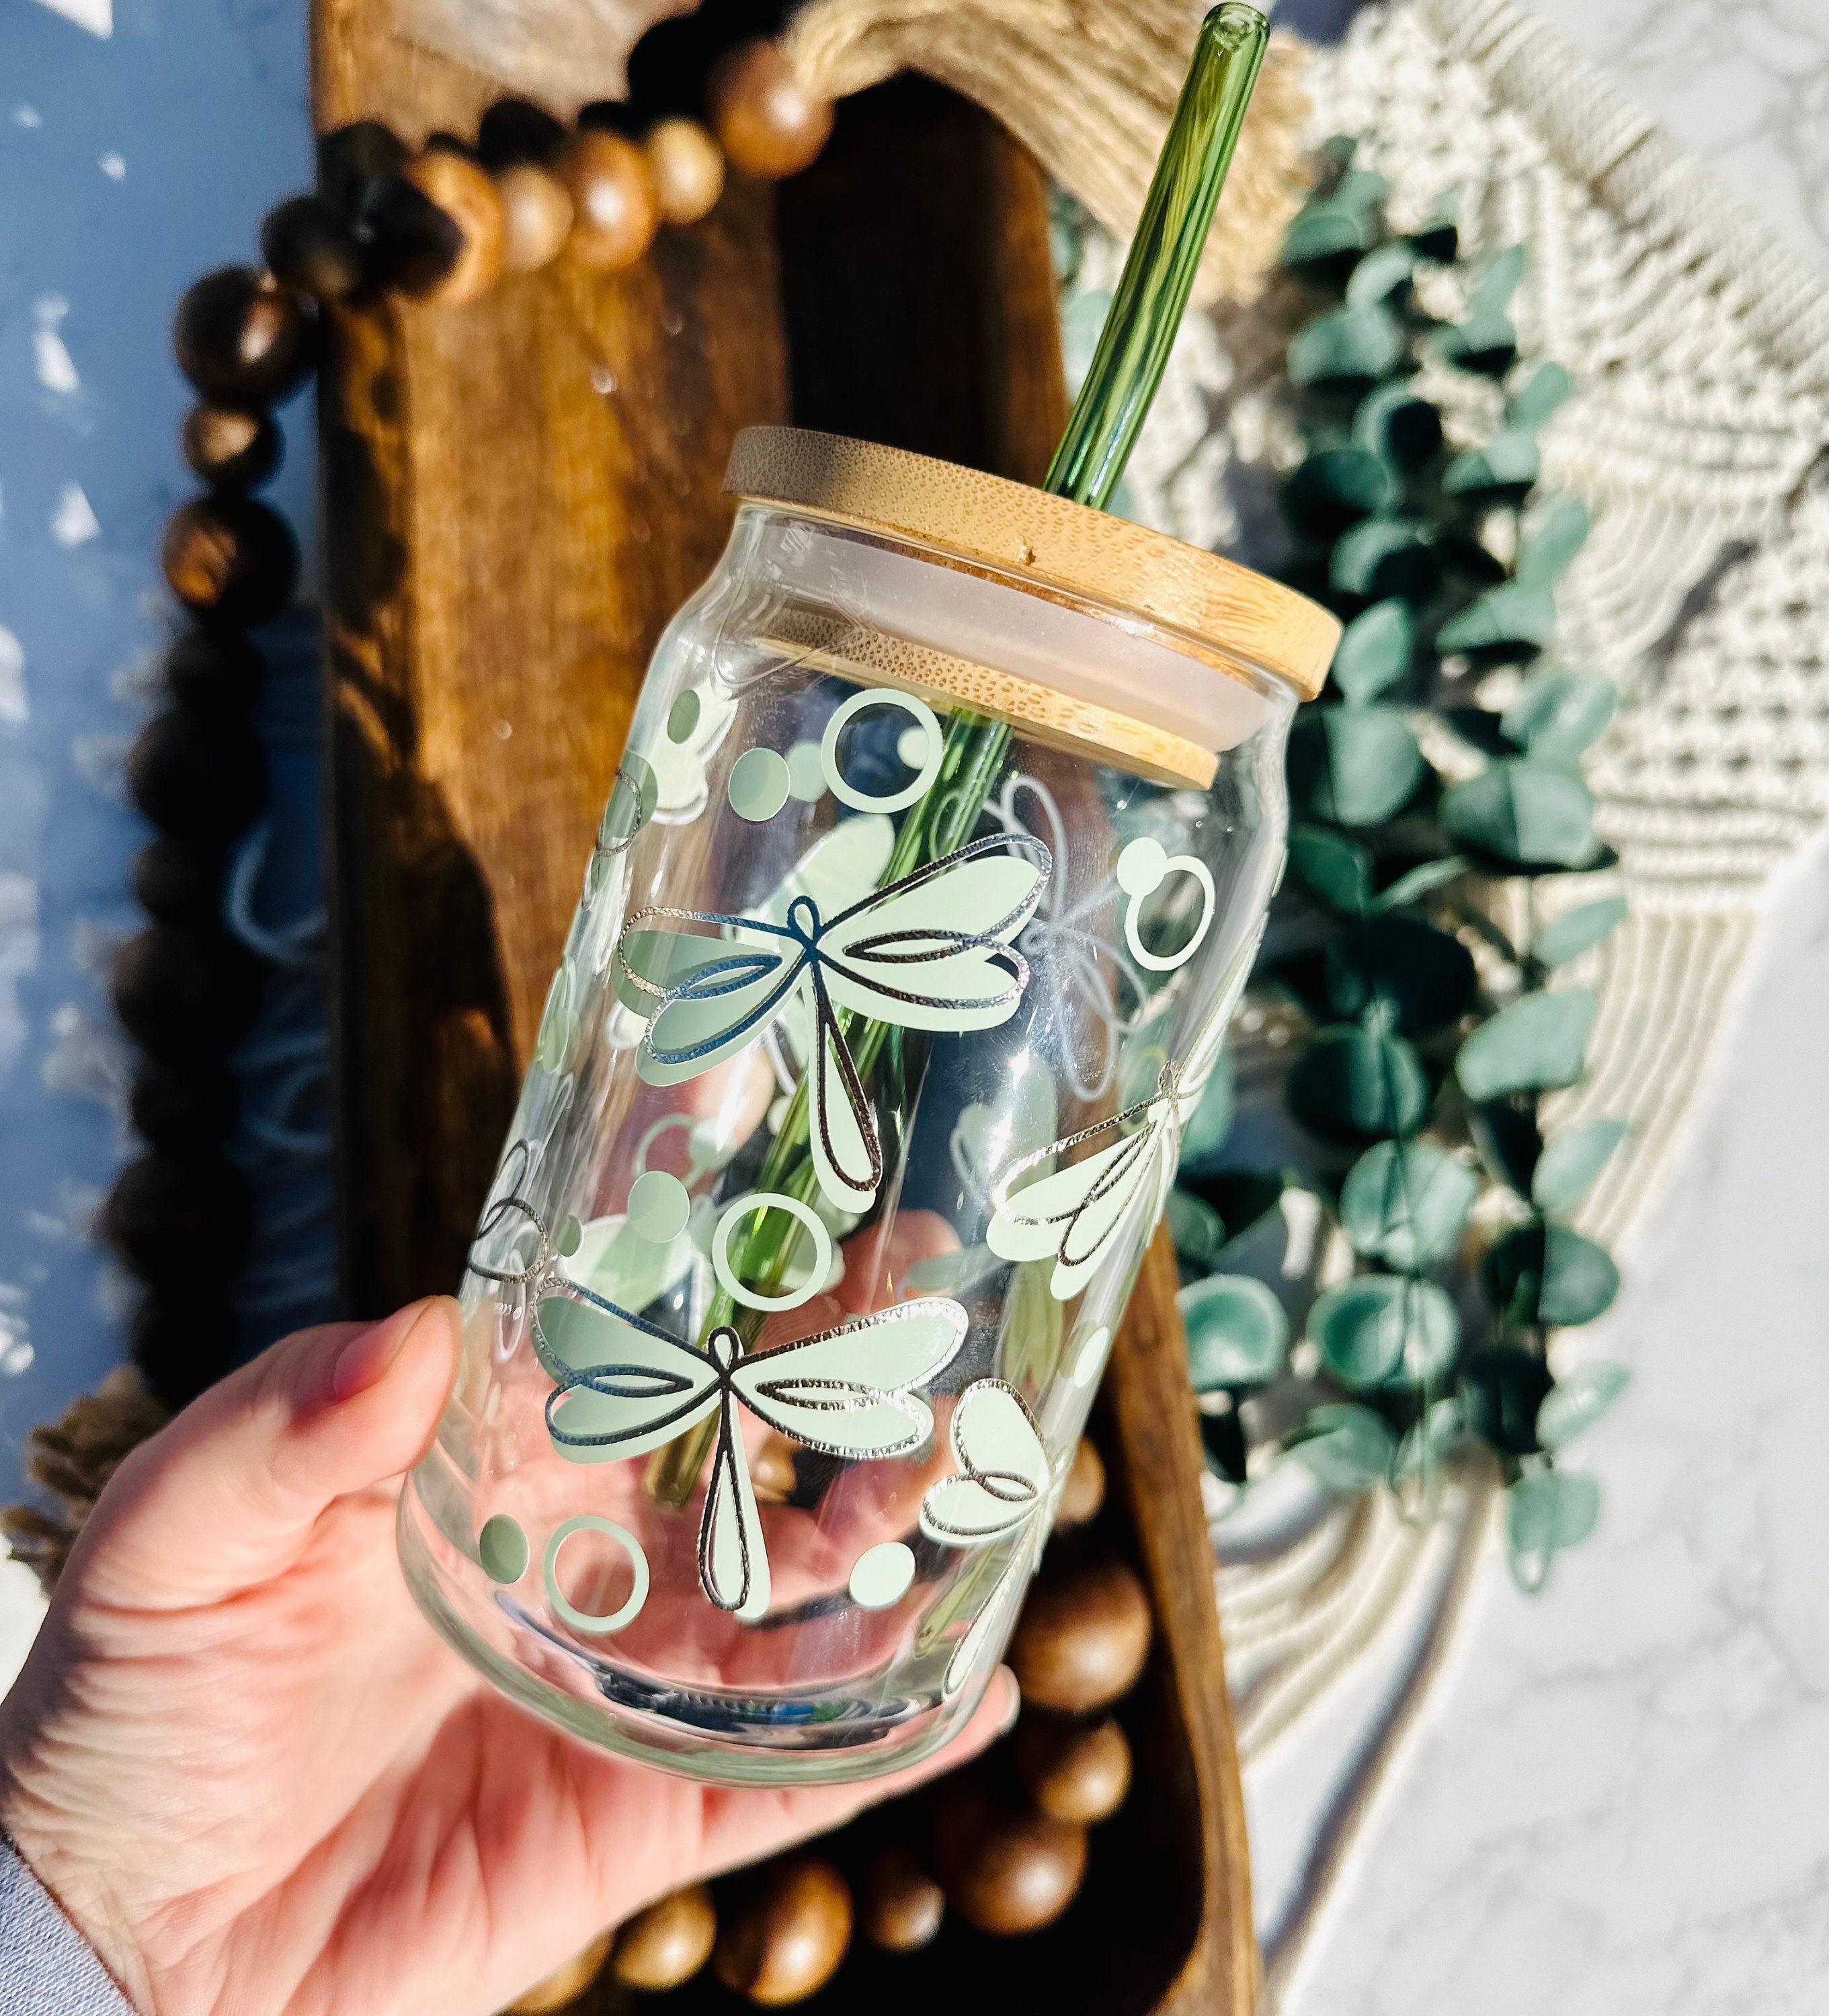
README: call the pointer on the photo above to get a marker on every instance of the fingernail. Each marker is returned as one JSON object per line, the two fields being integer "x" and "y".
{"x": 1015, "y": 1706}
{"x": 364, "y": 1360}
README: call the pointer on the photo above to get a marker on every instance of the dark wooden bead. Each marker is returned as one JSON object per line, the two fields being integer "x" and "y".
{"x": 172, "y": 1221}
{"x": 464, "y": 193}
{"x": 241, "y": 340}
{"x": 229, "y": 449}
{"x": 437, "y": 229}
{"x": 788, "y": 1932}
{"x": 179, "y": 881}
{"x": 353, "y": 162}
{"x": 182, "y": 1112}
{"x": 1083, "y": 1492}
{"x": 772, "y": 1470}
{"x": 899, "y": 1906}
{"x": 202, "y": 776}
{"x": 562, "y": 1987}
{"x": 1083, "y": 1636}
{"x": 615, "y": 210}
{"x": 688, "y": 167}
{"x": 768, "y": 123}
{"x": 513, "y": 132}
{"x": 536, "y": 217}
{"x": 182, "y": 992}
{"x": 183, "y": 1340}
{"x": 669, "y": 1943}
{"x": 1075, "y": 1771}
{"x": 1003, "y": 1871}
{"x": 231, "y": 560}
{"x": 310, "y": 249}
{"x": 213, "y": 670}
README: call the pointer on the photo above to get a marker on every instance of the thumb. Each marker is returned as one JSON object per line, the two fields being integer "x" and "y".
{"x": 228, "y": 1495}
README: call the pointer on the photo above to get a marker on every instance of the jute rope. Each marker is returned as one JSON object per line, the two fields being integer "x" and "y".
{"x": 1089, "y": 86}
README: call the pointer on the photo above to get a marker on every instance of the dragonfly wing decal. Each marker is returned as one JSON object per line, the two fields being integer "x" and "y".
{"x": 850, "y": 1392}
{"x": 847, "y": 1154}
{"x": 621, "y": 1388}
{"x": 1076, "y": 1213}
{"x": 1005, "y": 1472}
{"x": 933, "y": 951}
{"x": 707, "y": 998}
{"x": 733, "y": 1563}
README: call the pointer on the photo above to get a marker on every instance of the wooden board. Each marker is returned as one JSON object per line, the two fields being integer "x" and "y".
{"x": 517, "y": 495}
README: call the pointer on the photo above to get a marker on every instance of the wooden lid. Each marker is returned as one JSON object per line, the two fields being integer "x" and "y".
{"x": 1025, "y": 530}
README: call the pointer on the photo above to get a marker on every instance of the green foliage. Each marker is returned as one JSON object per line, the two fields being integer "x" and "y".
{"x": 1237, "y": 1334}
{"x": 1430, "y": 1036}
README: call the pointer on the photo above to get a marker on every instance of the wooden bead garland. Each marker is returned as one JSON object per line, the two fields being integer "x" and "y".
{"x": 442, "y": 227}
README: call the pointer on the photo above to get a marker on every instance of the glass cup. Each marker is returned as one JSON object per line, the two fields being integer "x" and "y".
{"x": 936, "y": 861}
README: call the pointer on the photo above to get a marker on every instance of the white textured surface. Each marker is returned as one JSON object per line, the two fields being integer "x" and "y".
{"x": 1616, "y": 1805}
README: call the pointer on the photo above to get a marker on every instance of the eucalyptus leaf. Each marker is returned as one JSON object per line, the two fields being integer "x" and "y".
{"x": 1362, "y": 189}
{"x": 1374, "y": 650}
{"x": 1407, "y": 1205}
{"x": 1557, "y": 714}
{"x": 1485, "y": 344}
{"x": 1211, "y": 1121}
{"x": 1550, "y": 1510}
{"x": 1437, "y": 238}
{"x": 1381, "y": 1327}
{"x": 1537, "y": 395}
{"x": 1223, "y": 1438}
{"x": 1384, "y": 556}
{"x": 1524, "y": 812}
{"x": 1501, "y": 1387}
{"x": 1545, "y": 1276}
{"x": 1498, "y": 279}
{"x": 1538, "y": 1043}
{"x": 1574, "y": 1404}
{"x": 1511, "y": 619}
{"x": 1347, "y": 1448}
{"x": 1503, "y": 470}
{"x": 1355, "y": 1084}
{"x": 1345, "y": 346}
{"x": 1238, "y": 1333}
{"x": 1422, "y": 881}
{"x": 1429, "y": 1439}
{"x": 1353, "y": 766}
{"x": 1573, "y": 1159}
{"x": 1426, "y": 977}
{"x": 1396, "y": 424}
{"x": 1326, "y": 234}
{"x": 1512, "y": 1144}
{"x": 1380, "y": 273}
{"x": 1336, "y": 486}
{"x": 1197, "y": 1230}
{"x": 1573, "y": 933}
{"x": 1332, "y": 867}
{"x": 1552, "y": 537}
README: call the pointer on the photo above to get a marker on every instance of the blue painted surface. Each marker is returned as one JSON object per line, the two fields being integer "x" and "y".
{"x": 128, "y": 165}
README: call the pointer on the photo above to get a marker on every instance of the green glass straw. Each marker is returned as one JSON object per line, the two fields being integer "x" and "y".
{"x": 1171, "y": 234}
{"x": 1127, "y": 368}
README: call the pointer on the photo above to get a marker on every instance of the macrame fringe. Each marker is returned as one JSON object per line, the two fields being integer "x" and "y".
{"x": 1089, "y": 86}
{"x": 73, "y": 1459}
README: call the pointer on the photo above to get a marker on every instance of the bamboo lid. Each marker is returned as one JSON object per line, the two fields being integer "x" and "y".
{"x": 1024, "y": 530}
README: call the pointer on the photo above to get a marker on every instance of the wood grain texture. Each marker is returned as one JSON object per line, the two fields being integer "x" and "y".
{"x": 504, "y": 541}
{"x": 519, "y": 492}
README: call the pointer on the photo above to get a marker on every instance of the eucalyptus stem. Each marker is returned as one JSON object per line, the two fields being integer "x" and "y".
{"x": 1127, "y": 368}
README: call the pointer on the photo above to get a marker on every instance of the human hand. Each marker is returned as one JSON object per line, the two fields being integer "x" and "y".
{"x": 255, "y": 1780}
